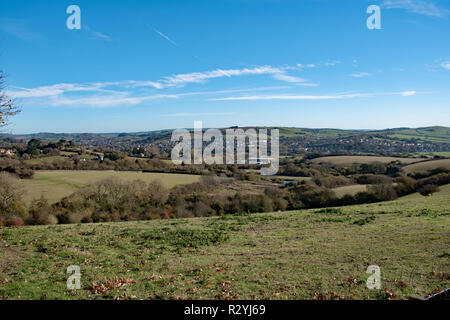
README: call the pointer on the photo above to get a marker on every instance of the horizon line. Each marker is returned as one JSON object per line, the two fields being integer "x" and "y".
{"x": 229, "y": 127}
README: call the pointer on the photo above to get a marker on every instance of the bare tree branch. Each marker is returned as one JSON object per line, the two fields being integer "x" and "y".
{"x": 8, "y": 107}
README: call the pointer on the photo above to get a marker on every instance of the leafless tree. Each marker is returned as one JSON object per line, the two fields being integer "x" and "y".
{"x": 8, "y": 106}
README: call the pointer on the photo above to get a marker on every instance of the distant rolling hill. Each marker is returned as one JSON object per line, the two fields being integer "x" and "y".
{"x": 431, "y": 134}
{"x": 429, "y": 141}
{"x": 426, "y": 134}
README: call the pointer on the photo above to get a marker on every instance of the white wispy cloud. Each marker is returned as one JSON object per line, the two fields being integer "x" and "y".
{"x": 96, "y": 94}
{"x": 300, "y": 66}
{"x": 307, "y": 84}
{"x": 96, "y": 34}
{"x": 177, "y": 80}
{"x": 217, "y": 92}
{"x": 446, "y": 65}
{"x": 100, "y": 35}
{"x": 165, "y": 37}
{"x": 285, "y": 77}
{"x": 106, "y": 100}
{"x": 282, "y": 97}
{"x": 134, "y": 91}
{"x": 332, "y": 63}
{"x": 408, "y": 93}
{"x": 360, "y": 74}
{"x": 199, "y": 77}
{"x": 56, "y": 89}
{"x": 424, "y": 7}
{"x": 206, "y": 114}
{"x": 313, "y": 97}
{"x": 136, "y": 84}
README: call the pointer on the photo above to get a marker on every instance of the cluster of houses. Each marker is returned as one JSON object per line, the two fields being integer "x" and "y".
{"x": 6, "y": 152}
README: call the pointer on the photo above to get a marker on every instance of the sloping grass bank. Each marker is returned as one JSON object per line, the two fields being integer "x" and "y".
{"x": 310, "y": 254}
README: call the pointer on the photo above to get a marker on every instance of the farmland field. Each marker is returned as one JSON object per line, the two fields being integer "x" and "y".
{"x": 309, "y": 254}
{"x": 431, "y": 154}
{"x": 351, "y": 190}
{"x": 348, "y": 160}
{"x": 45, "y": 159}
{"x": 427, "y": 165}
{"x": 292, "y": 178}
{"x": 55, "y": 185}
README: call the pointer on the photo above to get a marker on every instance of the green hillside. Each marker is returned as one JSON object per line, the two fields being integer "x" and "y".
{"x": 310, "y": 254}
{"x": 433, "y": 134}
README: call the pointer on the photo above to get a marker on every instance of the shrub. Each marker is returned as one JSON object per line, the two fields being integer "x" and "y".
{"x": 200, "y": 209}
{"x": 112, "y": 200}
{"x": 405, "y": 185}
{"x": 438, "y": 179}
{"x": 429, "y": 173}
{"x": 331, "y": 210}
{"x": 14, "y": 222}
{"x": 75, "y": 217}
{"x": 10, "y": 196}
{"x": 373, "y": 179}
{"x": 361, "y": 222}
{"x": 382, "y": 192}
{"x": 40, "y": 213}
{"x": 209, "y": 180}
{"x": 375, "y": 167}
{"x": 279, "y": 198}
{"x": 218, "y": 206}
{"x": 311, "y": 196}
{"x": 428, "y": 189}
{"x": 332, "y": 181}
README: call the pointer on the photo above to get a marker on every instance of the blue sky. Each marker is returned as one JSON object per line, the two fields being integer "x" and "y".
{"x": 138, "y": 66}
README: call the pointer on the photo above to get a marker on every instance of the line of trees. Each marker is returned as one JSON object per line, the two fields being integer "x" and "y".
{"x": 116, "y": 200}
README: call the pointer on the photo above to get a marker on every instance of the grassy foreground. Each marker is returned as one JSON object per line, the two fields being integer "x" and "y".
{"x": 310, "y": 254}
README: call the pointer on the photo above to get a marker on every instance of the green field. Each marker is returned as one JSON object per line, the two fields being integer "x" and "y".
{"x": 64, "y": 156}
{"x": 292, "y": 178}
{"x": 428, "y": 134}
{"x": 54, "y": 185}
{"x": 427, "y": 165}
{"x": 45, "y": 159}
{"x": 432, "y": 154}
{"x": 349, "y": 160}
{"x": 351, "y": 190}
{"x": 310, "y": 254}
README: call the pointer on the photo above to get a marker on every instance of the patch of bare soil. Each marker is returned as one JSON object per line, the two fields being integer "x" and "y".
{"x": 8, "y": 257}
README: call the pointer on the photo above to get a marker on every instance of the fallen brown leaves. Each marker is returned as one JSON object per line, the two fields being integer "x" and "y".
{"x": 102, "y": 287}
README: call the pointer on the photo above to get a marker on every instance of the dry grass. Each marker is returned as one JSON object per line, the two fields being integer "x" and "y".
{"x": 351, "y": 190}
{"x": 309, "y": 254}
{"x": 54, "y": 185}
{"x": 427, "y": 165}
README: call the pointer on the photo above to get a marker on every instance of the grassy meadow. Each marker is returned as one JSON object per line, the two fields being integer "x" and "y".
{"x": 308, "y": 254}
{"x": 427, "y": 165}
{"x": 56, "y": 184}
{"x": 45, "y": 159}
{"x": 351, "y": 190}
